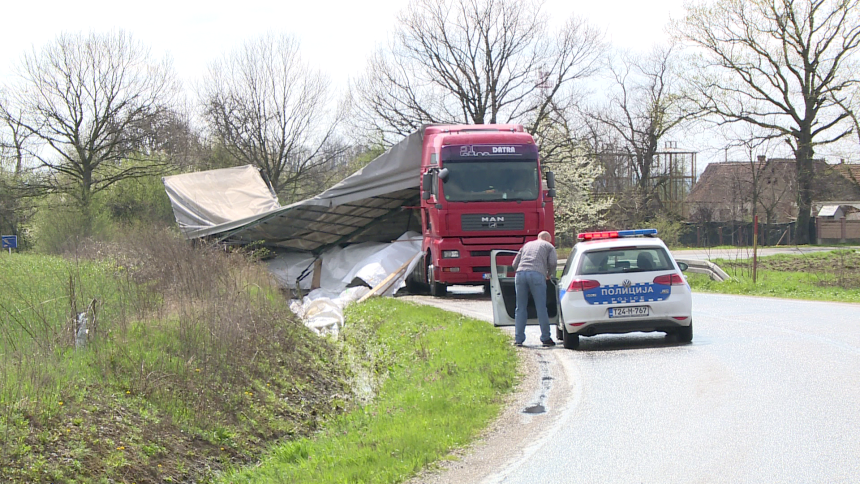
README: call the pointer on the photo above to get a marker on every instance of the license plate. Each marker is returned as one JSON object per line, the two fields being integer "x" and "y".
{"x": 628, "y": 312}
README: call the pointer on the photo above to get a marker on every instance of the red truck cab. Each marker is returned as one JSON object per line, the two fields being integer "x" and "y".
{"x": 481, "y": 189}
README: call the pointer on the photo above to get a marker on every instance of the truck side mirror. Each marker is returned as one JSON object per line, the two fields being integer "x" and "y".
{"x": 550, "y": 181}
{"x": 443, "y": 175}
{"x": 551, "y": 193}
{"x": 426, "y": 183}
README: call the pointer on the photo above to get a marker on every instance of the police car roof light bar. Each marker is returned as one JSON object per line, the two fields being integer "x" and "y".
{"x": 615, "y": 234}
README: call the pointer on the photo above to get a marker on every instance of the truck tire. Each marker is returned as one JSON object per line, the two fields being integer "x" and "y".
{"x": 415, "y": 282}
{"x": 416, "y": 287}
{"x": 437, "y": 289}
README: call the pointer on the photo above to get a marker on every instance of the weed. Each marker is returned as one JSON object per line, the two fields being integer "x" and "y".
{"x": 823, "y": 276}
{"x": 435, "y": 388}
{"x": 173, "y": 333}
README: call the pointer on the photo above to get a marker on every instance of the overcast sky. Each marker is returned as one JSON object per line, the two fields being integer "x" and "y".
{"x": 336, "y": 36}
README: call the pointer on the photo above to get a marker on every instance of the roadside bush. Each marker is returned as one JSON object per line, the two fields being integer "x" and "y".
{"x": 193, "y": 363}
{"x": 137, "y": 202}
{"x": 59, "y": 226}
{"x": 670, "y": 231}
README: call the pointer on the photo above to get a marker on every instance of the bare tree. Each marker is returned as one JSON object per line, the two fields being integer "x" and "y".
{"x": 15, "y": 144}
{"x": 784, "y": 65}
{"x": 473, "y": 61}
{"x": 15, "y": 140}
{"x": 268, "y": 108}
{"x": 764, "y": 185}
{"x": 645, "y": 105}
{"x": 86, "y": 100}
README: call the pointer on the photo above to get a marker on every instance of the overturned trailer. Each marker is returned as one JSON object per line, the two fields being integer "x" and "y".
{"x": 235, "y": 206}
{"x": 461, "y": 190}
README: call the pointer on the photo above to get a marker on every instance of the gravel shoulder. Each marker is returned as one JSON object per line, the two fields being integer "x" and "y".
{"x": 529, "y": 411}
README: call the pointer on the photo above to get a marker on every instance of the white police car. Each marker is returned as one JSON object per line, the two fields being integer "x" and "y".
{"x": 613, "y": 282}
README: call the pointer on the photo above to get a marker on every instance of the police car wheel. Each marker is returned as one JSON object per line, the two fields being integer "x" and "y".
{"x": 685, "y": 333}
{"x": 570, "y": 341}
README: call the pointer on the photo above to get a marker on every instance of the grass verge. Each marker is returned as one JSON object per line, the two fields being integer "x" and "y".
{"x": 192, "y": 364}
{"x": 820, "y": 276}
{"x": 443, "y": 379}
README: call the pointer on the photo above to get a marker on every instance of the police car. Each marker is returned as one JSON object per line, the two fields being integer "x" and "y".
{"x": 613, "y": 282}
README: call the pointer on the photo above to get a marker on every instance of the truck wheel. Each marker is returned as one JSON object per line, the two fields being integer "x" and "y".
{"x": 415, "y": 287}
{"x": 437, "y": 289}
{"x": 415, "y": 282}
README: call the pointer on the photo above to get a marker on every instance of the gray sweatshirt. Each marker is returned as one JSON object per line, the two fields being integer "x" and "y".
{"x": 537, "y": 255}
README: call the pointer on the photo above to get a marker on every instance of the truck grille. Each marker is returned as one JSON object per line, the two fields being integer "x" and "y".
{"x": 473, "y": 222}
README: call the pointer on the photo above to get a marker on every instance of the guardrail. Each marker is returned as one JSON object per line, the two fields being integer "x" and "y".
{"x": 705, "y": 267}
{"x": 693, "y": 265}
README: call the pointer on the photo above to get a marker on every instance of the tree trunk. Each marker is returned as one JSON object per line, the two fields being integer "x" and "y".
{"x": 805, "y": 174}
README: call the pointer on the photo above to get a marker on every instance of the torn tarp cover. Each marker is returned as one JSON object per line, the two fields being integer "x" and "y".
{"x": 215, "y": 198}
{"x": 366, "y": 206}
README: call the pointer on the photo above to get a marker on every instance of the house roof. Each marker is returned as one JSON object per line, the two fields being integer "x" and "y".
{"x": 850, "y": 171}
{"x": 728, "y": 181}
{"x": 828, "y": 211}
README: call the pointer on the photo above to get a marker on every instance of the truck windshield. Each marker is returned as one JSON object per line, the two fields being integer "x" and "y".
{"x": 491, "y": 180}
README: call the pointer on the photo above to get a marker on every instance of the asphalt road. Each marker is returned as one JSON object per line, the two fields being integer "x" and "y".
{"x": 769, "y": 391}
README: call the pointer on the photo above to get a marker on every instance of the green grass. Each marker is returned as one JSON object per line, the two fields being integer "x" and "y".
{"x": 820, "y": 276}
{"x": 443, "y": 378}
{"x": 194, "y": 367}
{"x": 193, "y": 364}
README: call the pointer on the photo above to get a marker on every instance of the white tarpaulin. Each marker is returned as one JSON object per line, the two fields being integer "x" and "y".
{"x": 367, "y": 264}
{"x": 213, "y": 198}
{"x": 366, "y": 206}
{"x": 371, "y": 262}
{"x": 352, "y": 227}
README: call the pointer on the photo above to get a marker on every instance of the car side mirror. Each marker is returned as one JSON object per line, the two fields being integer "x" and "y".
{"x": 550, "y": 180}
{"x": 683, "y": 266}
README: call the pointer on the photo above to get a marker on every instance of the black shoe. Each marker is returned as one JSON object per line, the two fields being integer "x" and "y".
{"x": 518, "y": 345}
{"x": 548, "y": 343}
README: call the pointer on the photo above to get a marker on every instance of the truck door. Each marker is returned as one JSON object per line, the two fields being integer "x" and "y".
{"x": 503, "y": 294}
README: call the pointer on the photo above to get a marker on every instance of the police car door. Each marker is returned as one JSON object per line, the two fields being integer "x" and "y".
{"x": 503, "y": 292}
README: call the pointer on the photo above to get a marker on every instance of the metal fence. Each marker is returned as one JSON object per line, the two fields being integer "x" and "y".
{"x": 739, "y": 234}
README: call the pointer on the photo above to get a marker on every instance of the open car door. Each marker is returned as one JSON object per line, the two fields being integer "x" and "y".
{"x": 503, "y": 292}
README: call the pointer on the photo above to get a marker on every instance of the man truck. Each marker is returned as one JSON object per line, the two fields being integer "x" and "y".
{"x": 481, "y": 189}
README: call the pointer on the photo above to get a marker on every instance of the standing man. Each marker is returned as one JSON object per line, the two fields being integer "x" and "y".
{"x": 535, "y": 264}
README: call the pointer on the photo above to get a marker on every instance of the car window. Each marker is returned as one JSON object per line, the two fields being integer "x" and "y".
{"x": 569, "y": 263}
{"x": 626, "y": 259}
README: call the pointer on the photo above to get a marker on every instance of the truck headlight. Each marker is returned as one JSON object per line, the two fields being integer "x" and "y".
{"x": 450, "y": 254}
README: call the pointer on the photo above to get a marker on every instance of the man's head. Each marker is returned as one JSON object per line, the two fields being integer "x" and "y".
{"x": 545, "y": 236}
